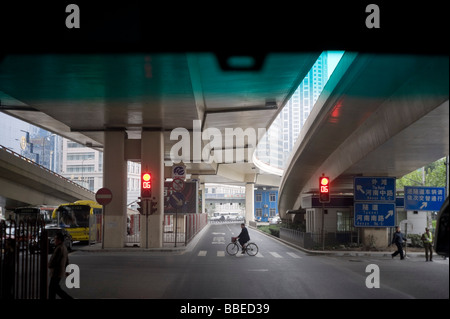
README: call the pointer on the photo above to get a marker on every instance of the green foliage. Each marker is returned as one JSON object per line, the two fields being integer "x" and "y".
{"x": 432, "y": 175}
{"x": 273, "y": 230}
{"x": 416, "y": 240}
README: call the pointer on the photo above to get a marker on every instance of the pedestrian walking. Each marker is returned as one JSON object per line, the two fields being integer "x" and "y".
{"x": 57, "y": 265}
{"x": 398, "y": 240}
{"x": 427, "y": 239}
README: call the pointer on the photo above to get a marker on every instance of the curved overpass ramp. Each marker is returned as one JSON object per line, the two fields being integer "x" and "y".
{"x": 378, "y": 115}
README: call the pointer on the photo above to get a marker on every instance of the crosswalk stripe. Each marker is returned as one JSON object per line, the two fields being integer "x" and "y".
{"x": 221, "y": 253}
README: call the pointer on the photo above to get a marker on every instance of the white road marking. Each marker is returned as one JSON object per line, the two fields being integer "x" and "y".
{"x": 293, "y": 255}
{"x": 220, "y": 253}
{"x": 218, "y": 240}
{"x": 274, "y": 254}
{"x": 202, "y": 253}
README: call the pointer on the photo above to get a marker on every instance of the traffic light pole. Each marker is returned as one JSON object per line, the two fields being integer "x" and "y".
{"x": 146, "y": 222}
{"x": 323, "y": 226}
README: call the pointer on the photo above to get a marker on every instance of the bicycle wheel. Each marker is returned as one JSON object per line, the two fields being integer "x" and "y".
{"x": 252, "y": 249}
{"x": 232, "y": 249}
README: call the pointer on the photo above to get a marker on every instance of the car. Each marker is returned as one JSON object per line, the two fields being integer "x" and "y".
{"x": 51, "y": 232}
{"x": 275, "y": 220}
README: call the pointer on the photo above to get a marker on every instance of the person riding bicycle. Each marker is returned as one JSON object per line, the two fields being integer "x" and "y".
{"x": 243, "y": 237}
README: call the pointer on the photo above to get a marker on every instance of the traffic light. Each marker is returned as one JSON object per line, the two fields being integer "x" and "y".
{"x": 153, "y": 208}
{"x": 141, "y": 208}
{"x": 146, "y": 185}
{"x": 324, "y": 189}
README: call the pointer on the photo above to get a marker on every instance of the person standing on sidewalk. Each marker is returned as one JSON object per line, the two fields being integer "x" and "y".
{"x": 57, "y": 265}
{"x": 427, "y": 239}
{"x": 398, "y": 241}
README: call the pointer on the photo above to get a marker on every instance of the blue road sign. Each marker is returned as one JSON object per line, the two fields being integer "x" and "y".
{"x": 380, "y": 189}
{"x": 373, "y": 214}
{"x": 424, "y": 198}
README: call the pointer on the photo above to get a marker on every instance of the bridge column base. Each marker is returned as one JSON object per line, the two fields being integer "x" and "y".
{"x": 152, "y": 161}
{"x": 115, "y": 178}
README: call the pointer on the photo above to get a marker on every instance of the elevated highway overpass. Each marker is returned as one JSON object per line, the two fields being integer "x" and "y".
{"x": 24, "y": 182}
{"x": 377, "y": 116}
{"x": 130, "y": 104}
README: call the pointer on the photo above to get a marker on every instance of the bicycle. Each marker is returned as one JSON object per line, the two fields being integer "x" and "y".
{"x": 233, "y": 248}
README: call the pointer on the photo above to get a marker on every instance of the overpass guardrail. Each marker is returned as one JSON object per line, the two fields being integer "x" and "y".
{"x": 7, "y": 150}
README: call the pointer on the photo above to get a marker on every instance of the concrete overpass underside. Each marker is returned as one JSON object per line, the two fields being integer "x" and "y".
{"x": 24, "y": 183}
{"x": 377, "y": 116}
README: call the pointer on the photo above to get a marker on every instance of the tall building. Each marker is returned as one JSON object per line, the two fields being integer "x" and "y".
{"x": 296, "y": 111}
{"x": 32, "y": 142}
{"x": 275, "y": 147}
{"x": 84, "y": 166}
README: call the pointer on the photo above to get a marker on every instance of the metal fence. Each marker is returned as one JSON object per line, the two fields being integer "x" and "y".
{"x": 193, "y": 224}
{"x": 182, "y": 228}
{"x": 317, "y": 240}
{"x": 177, "y": 229}
{"x": 133, "y": 229}
{"x": 23, "y": 260}
{"x": 95, "y": 229}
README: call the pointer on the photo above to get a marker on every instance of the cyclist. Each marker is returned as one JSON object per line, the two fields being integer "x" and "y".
{"x": 243, "y": 237}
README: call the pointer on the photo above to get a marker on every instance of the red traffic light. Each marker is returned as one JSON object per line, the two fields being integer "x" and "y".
{"x": 324, "y": 189}
{"x": 146, "y": 185}
{"x": 324, "y": 181}
{"x": 146, "y": 177}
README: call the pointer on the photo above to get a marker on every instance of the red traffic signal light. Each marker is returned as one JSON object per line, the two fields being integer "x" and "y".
{"x": 146, "y": 185}
{"x": 324, "y": 189}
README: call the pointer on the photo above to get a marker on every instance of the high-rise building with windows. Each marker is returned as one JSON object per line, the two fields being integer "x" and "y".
{"x": 84, "y": 166}
{"x": 296, "y": 111}
{"x": 275, "y": 147}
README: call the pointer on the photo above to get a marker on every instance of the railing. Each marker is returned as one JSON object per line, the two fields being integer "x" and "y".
{"x": 23, "y": 260}
{"x": 224, "y": 196}
{"x": 194, "y": 223}
{"x": 183, "y": 230}
{"x": 134, "y": 229}
{"x": 316, "y": 240}
{"x": 43, "y": 167}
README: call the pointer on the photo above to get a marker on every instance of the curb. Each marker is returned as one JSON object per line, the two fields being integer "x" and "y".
{"x": 182, "y": 249}
{"x": 339, "y": 253}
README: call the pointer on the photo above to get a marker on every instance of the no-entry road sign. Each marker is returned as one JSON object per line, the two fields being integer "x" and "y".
{"x": 103, "y": 196}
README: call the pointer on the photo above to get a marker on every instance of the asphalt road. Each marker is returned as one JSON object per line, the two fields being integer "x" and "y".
{"x": 277, "y": 272}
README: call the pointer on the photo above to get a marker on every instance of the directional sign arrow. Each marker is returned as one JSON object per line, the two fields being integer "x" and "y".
{"x": 360, "y": 188}
{"x": 390, "y": 213}
{"x": 424, "y": 204}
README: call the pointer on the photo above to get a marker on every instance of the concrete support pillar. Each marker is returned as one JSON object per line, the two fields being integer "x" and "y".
{"x": 249, "y": 202}
{"x": 152, "y": 160}
{"x": 115, "y": 178}
{"x": 203, "y": 194}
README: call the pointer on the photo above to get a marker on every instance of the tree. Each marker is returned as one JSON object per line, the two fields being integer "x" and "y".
{"x": 432, "y": 175}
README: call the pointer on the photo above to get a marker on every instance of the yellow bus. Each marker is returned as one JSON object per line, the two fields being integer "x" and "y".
{"x": 78, "y": 218}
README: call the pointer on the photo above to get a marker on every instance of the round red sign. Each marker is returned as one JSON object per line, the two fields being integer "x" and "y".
{"x": 103, "y": 196}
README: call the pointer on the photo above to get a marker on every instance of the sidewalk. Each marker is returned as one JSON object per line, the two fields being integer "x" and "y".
{"x": 167, "y": 247}
{"x": 344, "y": 253}
{"x": 181, "y": 248}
